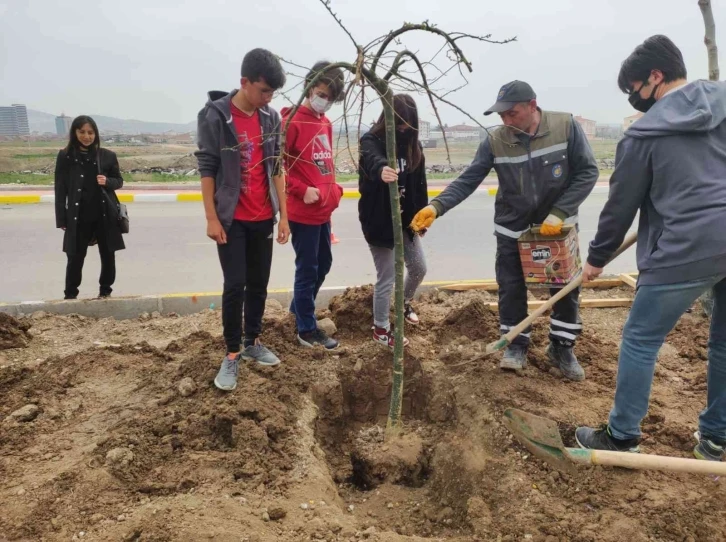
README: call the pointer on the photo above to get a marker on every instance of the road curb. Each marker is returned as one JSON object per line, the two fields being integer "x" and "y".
{"x": 125, "y": 308}
{"x": 197, "y": 196}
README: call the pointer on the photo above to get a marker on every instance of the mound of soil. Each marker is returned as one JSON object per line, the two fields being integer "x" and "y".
{"x": 353, "y": 310}
{"x": 114, "y": 431}
{"x": 13, "y": 332}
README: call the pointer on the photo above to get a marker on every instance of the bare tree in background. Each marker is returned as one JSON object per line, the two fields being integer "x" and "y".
{"x": 713, "y": 74}
{"x": 383, "y": 66}
{"x": 710, "y": 39}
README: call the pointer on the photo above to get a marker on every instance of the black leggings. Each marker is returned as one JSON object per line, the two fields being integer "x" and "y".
{"x": 74, "y": 269}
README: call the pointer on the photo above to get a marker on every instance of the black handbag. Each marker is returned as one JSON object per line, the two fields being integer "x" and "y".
{"x": 122, "y": 214}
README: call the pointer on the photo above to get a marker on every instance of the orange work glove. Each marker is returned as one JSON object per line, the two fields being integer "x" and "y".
{"x": 424, "y": 218}
{"x": 551, "y": 226}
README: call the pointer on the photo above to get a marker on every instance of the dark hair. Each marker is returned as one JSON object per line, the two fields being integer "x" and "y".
{"x": 332, "y": 77}
{"x": 404, "y": 108}
{"x": 656, "y": 53}
{"x": 78, "y": 122}
{"x": 262, "y": 64}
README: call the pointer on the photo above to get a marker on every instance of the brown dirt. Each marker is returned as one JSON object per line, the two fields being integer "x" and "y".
{"x": 13, "y": 332}
{"x": 117, "y": 452}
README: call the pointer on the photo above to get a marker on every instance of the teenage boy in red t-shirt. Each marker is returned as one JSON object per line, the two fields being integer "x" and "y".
{"x": 243, "y": 189}
{"x": 313, "y": 195}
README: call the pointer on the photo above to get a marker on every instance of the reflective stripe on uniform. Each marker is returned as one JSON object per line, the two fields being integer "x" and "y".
{"x": 565, "y": 325}
{"x": 563, "y": 334}
{"x": 533, "y": 154}
{"x": 517, "y": 234}
{"x": 507, "y": 232}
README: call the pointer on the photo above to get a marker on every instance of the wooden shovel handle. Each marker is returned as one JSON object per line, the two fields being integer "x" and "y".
{"x": 656, "y": 462}
{"x": 524, "y": 324}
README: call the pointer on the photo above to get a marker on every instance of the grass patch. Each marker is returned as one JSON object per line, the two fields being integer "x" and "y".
{"x": 158, "y": 178}
{"x": 26, "y": 178}
{"x": 34, "y": 155}
{"x": 48, "y": 180}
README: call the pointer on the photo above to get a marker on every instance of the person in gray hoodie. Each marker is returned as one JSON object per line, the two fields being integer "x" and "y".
{"x": 671, "y": 165}
{"x": 243, "y": 188}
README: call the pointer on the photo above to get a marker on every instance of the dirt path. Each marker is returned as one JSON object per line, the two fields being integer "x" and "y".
{"x": 131, "y": 441}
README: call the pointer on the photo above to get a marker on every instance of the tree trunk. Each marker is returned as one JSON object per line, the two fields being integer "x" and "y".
{"x": 713, "y": 74}
{"x": 394, "y": 412}
{"x": 710, "y": 39}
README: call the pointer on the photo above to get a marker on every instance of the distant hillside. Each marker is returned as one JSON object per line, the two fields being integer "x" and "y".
{"x": 45, "y": 122}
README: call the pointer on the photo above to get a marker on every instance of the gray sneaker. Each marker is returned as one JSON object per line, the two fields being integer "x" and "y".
{"x": 226, "y": 378}
{"x": 259, "y": 353}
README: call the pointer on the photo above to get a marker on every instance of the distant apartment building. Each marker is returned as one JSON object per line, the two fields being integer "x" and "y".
{"x": 627, "y": 121}
{"x": 588, "y": 126}
{"x": 63, "y": 125}
{"x": 462, "y": 132}
{"x": 14, "y": 121}
{"x": 424, "y": 129}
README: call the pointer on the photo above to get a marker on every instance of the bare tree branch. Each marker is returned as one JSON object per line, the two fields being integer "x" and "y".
{"x": 425, "y": 26}
{"x": 328, "y": 6}
{"x": 460, "y": 35}
{"x": 425, "y": 85}
{"x": 710, "y": 39}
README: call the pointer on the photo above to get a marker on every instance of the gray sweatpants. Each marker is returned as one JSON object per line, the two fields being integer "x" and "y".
{"x": 415, "y": 262}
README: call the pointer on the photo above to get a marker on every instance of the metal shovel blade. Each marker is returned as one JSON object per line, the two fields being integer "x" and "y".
{"x": 540, "y": 436}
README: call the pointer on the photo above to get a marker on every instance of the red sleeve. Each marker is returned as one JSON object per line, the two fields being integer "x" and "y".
{"x": 330, "y": 138}
{"x": 295, "y": 187}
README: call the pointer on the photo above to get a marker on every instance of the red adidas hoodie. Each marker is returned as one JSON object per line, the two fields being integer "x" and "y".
{"x": 309, "y": 162}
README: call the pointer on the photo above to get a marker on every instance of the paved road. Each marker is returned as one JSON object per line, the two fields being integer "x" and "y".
{"x": 168, "y": 251}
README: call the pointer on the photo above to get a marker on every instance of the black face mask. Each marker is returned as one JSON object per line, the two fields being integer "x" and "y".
{"x": 403, "y": 137}
{"x": 643, "y": 104}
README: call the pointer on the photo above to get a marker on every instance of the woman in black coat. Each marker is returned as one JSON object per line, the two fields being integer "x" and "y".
{"x": 86, "y": 205}
{"x": 374, "y": 211}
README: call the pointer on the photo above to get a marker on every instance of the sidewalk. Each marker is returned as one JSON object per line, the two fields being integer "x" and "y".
{"x": 183, "y": 193}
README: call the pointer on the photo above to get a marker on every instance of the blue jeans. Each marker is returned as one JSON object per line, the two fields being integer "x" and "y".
{"x": 313, "y": 260}
{"x": 655, "y": 312}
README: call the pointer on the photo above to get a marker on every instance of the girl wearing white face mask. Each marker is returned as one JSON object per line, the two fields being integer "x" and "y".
{"x": 313, "y": 195}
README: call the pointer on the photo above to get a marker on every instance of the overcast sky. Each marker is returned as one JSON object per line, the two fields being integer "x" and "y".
{"x": 155, "y": 60}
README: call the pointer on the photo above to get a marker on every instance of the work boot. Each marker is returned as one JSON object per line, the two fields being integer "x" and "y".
{"x": 601, "y": 439}
{"x": 564, "y": 359}
{"x": 315, "y": 338}
{"x": 227, "y": 376}
{"x": 708, "y": 448}
{"x": 261, "y": 354}
{"x": 515, "y": 358}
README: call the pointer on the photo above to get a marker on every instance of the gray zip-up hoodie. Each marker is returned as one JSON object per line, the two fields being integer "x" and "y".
{"x": 219, "y": 157}
{"x": 671, "y": 165}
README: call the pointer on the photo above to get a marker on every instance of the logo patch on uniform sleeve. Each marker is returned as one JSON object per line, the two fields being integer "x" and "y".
{"x": 557, "y": 171}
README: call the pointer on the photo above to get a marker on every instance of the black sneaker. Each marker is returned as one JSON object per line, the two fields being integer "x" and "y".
{"x": 317, "y": 338}
{"x": 601, "y": 439}
{"x": 709, "y": 449}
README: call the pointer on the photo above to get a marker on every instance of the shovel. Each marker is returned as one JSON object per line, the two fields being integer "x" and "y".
{"x": 542, "y": 437}
{"x": 507, "y": 339}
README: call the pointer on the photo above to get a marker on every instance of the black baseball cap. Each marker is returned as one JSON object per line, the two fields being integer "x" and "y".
{"x": 510, "y": 95}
